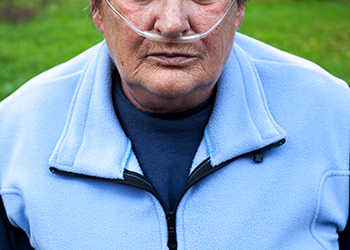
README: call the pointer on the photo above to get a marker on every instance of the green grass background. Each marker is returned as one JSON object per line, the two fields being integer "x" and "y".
{"x": 316, "y": 30}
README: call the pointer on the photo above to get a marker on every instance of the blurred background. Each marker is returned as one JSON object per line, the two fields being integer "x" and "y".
{"x": 36, "y": 35}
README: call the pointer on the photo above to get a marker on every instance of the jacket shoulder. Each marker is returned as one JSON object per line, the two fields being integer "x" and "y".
{"x": 260, "y": 51}
{"x": 48, "y": 89}
{"x": 276, "y": 67}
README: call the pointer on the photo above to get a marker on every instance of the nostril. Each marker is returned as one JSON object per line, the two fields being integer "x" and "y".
{"x": 172, "y": 21}
{"x": 172, "y": 29}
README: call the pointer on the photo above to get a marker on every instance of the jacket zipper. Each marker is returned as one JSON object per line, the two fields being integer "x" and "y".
{"x": 201, "y": 171}
{"x": 139, "y": 181}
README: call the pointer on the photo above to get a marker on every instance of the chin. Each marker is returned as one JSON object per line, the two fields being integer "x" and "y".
{"x": 171, "y": 91}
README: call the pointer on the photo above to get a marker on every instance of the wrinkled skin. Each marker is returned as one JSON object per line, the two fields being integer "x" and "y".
{"x": 168, "y": 77}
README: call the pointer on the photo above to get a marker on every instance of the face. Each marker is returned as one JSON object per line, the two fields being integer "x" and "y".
{"x": 168, "y": 77}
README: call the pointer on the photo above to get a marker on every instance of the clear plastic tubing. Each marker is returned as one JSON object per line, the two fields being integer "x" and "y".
{"x": 178, "y": 39}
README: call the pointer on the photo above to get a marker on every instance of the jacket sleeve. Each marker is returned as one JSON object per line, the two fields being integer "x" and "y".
{"x": 344, "y": 236}
{"x": 11, "y": 238}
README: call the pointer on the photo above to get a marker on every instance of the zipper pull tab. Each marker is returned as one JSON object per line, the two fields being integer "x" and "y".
{"x": 258, "y": 157}
{"x": 172, "y": 243}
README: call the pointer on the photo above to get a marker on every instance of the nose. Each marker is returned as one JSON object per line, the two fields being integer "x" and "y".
{"x": 172, "y": 19}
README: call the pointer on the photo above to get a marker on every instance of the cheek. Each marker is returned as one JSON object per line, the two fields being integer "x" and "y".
{"x": 225, "y": 38}
{"x": 124, "y": 46}
{"x": 219, "y": 45}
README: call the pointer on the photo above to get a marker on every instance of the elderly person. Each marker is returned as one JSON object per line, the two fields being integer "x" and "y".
{"x": 175, "y": 132}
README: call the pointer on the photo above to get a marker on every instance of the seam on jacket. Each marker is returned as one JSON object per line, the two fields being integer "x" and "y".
{"x": 262, "y": 94}
{"x": 14, "y": 191}
{"x": 69, "y": 120}
{"x": 73, "y": 107}
{"x": 264, "y": 101}
{"x": 245, "y": 90}
{"x": 326, "y": 175}
{"x": 10, "y": 191}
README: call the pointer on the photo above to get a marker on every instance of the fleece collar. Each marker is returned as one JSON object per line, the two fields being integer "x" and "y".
{"x": 93, "y": 142}
{"x": 241, "y": 121}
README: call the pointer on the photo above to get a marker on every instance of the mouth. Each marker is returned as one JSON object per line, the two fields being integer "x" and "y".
{"x": 173, "y": 59}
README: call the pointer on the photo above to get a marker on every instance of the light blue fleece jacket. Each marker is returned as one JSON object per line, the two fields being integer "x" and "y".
{"x": 296, "y": 198}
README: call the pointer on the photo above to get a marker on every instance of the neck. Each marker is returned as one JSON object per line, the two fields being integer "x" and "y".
{"x": 153, "y": 103}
